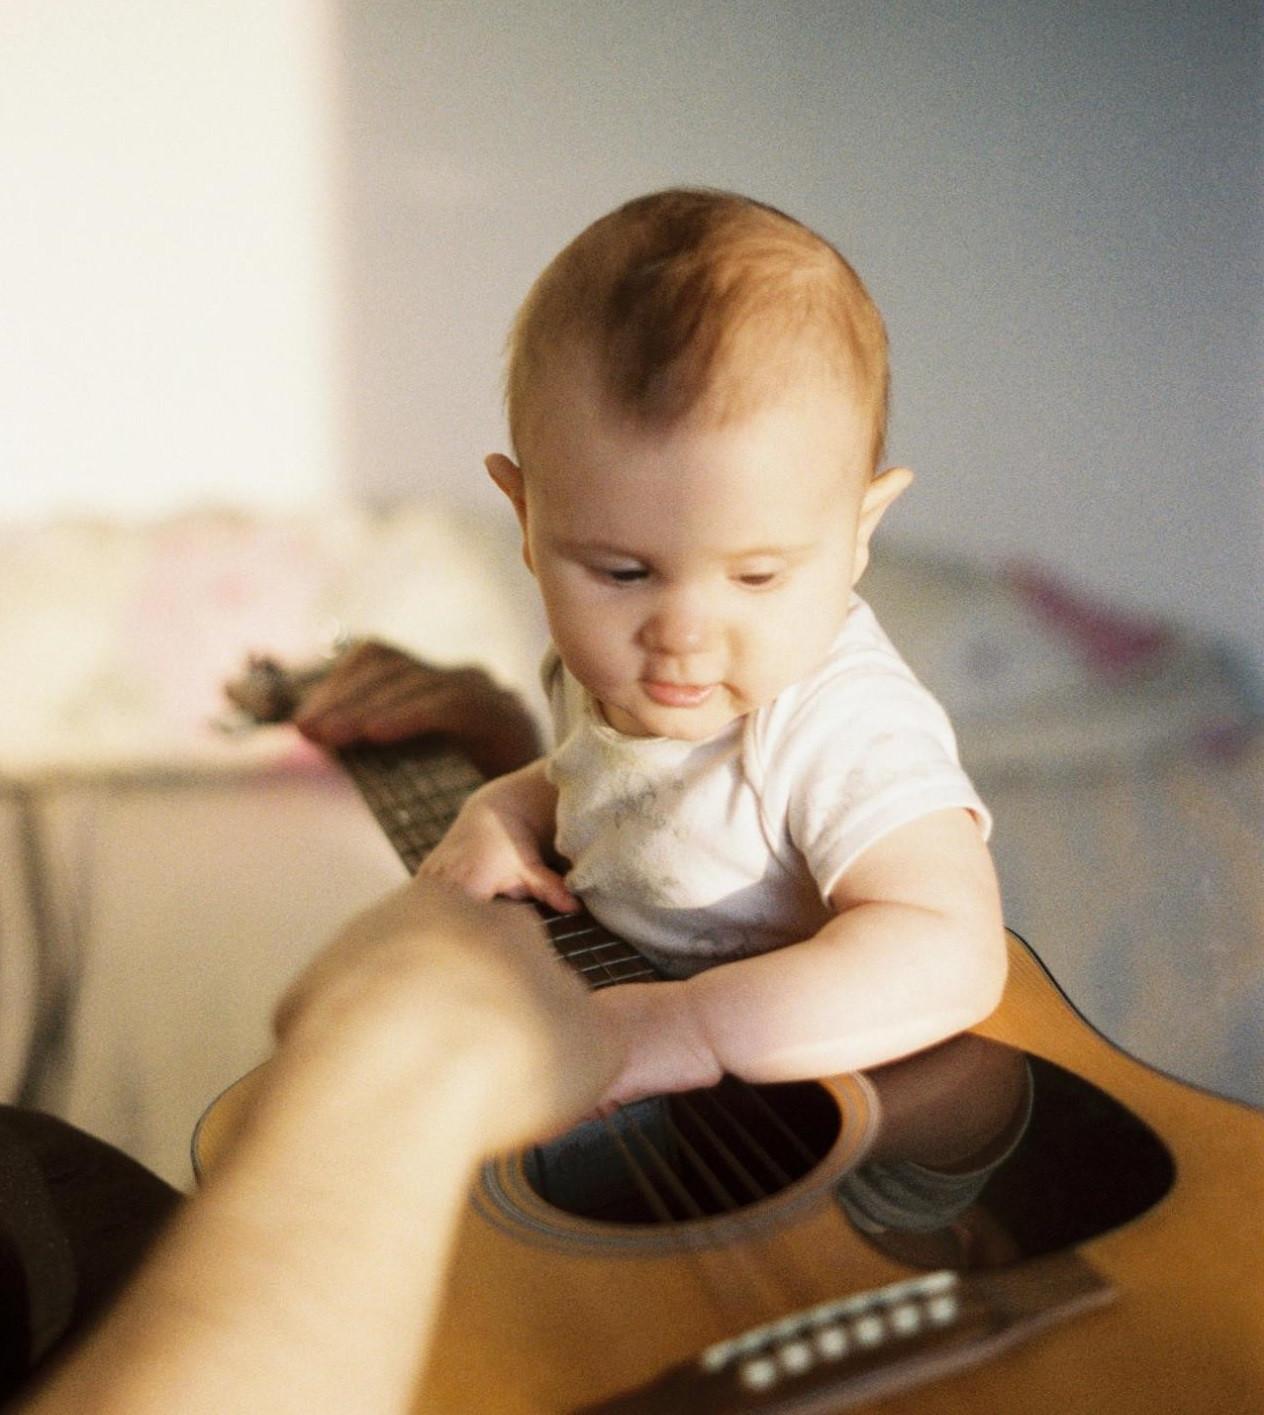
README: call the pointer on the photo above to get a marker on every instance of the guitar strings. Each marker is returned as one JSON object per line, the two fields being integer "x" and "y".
{"x": 777, "y": 1291}
{"x": 742, "y": 1278}
{"x": 599, "y": 973}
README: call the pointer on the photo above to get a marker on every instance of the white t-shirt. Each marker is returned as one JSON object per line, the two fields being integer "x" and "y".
{"x": 699, "y": 852}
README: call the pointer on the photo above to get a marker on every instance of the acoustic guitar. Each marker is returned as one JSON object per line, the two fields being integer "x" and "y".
{"x": 1094, "y": 1242}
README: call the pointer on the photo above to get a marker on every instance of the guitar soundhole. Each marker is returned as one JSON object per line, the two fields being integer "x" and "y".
{"x": 687, "y": 1157}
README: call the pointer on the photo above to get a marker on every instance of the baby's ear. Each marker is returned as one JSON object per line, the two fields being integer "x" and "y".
{"x": 884, "y": 489}
{"x": 508, "y": 477}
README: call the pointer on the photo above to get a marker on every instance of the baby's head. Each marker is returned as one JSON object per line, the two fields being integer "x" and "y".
{"x": 697, "y": 395}
{"x": 700, "y": 305}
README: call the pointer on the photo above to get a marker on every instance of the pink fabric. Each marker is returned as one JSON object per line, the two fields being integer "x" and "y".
{"x": 1111, "y": 642}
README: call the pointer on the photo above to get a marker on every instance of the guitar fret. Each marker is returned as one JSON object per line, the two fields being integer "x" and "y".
{"x": 620, "y": 977}
{"x": 596, "y": 964}
{"x": 414, "y": 790}
{"x": 559, "y": 937}
{"x": 593, "y": 948}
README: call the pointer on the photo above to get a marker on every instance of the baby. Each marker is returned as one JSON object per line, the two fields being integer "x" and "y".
{"x": 748, "y": 783}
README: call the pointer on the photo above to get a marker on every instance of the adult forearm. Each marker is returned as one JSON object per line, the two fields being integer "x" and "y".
{"x": 305, "y": 1276}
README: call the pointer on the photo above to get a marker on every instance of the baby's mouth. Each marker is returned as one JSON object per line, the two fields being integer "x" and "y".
{"x": 681, "y": 695}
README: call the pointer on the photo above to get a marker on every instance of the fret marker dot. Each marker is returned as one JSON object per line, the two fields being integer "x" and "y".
{"x": 795, "y": 1357}
{"x": 867, "y": 1331}
{"x": 758, "y": 1373}
{"x": 831, "y": 1342}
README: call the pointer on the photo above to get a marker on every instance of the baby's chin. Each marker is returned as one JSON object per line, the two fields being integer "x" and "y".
{"x": 678, "y": 724}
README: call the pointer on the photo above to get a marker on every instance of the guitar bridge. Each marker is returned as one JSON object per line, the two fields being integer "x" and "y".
{"x": 834, "y": 1355}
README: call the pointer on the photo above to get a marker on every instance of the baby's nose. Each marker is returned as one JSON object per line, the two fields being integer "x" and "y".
{"x": 678, "y": 627}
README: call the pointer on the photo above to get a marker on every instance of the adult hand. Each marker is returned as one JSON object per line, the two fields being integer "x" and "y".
{"x": 375, "y": 693}
{"x": 429, "y": 972}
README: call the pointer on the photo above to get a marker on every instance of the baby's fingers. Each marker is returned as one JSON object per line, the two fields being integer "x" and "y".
{"x": 529, "y": 882}
{"x": 549, "y": 887}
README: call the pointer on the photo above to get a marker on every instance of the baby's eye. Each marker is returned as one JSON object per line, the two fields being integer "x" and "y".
{"x": 629, "y": 576}
{"x": 757, "y": 580}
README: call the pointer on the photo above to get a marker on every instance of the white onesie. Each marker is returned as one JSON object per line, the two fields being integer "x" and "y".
{"x": 699, "y": 852}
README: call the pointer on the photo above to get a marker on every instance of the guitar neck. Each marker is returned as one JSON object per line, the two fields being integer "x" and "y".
{"x": 415, "y": 789}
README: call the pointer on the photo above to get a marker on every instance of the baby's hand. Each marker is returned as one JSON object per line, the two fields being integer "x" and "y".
{"x": 492, "y": 849}
{"x": 664, "y": 1046}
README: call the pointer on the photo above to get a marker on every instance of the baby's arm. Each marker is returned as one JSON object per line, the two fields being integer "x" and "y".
{"x": 914, "y": 954}
{"x": 497, "y": 843}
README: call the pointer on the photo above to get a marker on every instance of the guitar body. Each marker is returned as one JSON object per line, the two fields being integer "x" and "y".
{"x": 554, "y": 1325}
{"x": 1149, "y": 1300}
{"x": 546, "y": 1312}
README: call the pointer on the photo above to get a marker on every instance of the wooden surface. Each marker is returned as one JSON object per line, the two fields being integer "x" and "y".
{"x": 532, "y": 1325}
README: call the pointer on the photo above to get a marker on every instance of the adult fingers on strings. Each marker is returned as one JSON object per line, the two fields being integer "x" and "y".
{"x": 492, "y": 725}
{"x": 367, "y": 677}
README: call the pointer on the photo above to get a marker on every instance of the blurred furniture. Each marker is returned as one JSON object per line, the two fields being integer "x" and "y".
{"x": 172, "y": 907}
{"x": 1124, "y": 764}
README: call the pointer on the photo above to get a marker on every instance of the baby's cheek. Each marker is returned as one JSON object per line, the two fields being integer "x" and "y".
{"x": 780, "y": 658}
{"x": 579, "y": 647}
{"x": 592, "y": 668}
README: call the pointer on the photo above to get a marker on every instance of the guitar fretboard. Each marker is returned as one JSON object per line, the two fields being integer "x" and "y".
{"x": 415, "y": 789}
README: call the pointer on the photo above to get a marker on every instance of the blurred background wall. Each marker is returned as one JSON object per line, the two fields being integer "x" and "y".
{"x": 167, "y": 259}
{"x": 264, "y": 252}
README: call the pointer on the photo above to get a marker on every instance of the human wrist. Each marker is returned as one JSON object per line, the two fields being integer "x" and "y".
{"x": 690, "y": 1022}
{"x": 502, "y": 1061}
{"x": 324, "y": 1226}
{"x": 361, "y": 1091}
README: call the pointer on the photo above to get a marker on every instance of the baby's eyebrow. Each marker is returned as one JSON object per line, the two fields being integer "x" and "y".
{"x": 774, "y": 552}
{"x": 595, "y": 547}
{"x": 792, "y": 554}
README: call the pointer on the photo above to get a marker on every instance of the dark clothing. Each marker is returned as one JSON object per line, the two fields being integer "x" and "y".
{"x": 76, "y": 1217}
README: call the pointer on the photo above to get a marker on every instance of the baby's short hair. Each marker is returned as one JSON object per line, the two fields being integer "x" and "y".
{"x": 694, "y": 301}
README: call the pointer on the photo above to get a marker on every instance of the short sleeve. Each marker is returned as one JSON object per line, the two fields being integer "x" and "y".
{"x": 862, "y": 750}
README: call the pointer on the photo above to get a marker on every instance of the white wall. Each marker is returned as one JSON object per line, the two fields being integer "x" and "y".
{"x": 1058, "y": 208}
{"x": 167, "y": 260}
